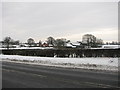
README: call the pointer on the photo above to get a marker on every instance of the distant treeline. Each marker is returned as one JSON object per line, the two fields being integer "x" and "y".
{"x": 64, "y": 52}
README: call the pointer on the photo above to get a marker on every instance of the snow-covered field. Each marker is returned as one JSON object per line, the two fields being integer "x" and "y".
{"x": 86, "y": 63}
{"x": 29, "y": 48}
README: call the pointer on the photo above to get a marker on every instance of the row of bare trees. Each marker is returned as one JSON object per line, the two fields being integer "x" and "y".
{"x": 31, "y": 42}
{"x": 50, "y": 42}
{"x": 9, "y": 41}
{"x": 57, "y": 42}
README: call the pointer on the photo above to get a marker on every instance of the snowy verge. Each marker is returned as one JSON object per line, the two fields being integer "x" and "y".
{"x": 86, "y": 63}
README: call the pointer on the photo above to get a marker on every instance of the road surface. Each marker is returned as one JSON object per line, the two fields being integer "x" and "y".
{"x": 16, "y": 75}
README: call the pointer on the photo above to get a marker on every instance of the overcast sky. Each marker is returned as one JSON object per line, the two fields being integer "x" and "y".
{"x": 39, "y": 20}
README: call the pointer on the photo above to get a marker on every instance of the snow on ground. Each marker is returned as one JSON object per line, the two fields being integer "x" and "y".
{"x": 87, "y": 63}
{"x": 29, "y": 48}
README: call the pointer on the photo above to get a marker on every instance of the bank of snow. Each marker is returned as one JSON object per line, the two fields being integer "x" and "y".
{"x": 87, "y": 63}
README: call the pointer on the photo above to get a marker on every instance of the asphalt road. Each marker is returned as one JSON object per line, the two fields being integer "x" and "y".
{"x": 16, "y": 75}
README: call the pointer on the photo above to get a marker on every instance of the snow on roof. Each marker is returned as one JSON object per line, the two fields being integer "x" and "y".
{"x": 69, "y": 45}
{"x": 75, "y": 43}
{"x": 110, "y": 46}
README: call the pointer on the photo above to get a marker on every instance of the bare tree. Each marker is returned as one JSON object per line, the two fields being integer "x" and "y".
{"x": 31, "y": 42}
{"x": 40, "y": 43}
{"x": 15, "y": 42}
{"x": 61, "y": 42}
{"x": 51, "y": 40}
{"x": 7, "y": 41}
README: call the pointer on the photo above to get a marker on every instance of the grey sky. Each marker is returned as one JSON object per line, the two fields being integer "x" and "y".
{"x": 39, "y": 20}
